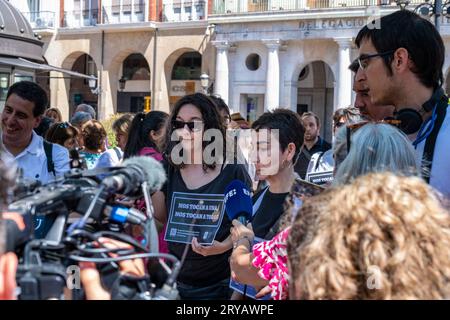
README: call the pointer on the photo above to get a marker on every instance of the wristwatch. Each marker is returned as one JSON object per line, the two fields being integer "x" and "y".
{"x": 250, "y": 241}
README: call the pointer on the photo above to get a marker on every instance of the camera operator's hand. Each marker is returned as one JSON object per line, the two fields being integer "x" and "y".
{"x": 8, "y": 267}
{"x": 90, "y": 277}
{"x": 133, "y": 267}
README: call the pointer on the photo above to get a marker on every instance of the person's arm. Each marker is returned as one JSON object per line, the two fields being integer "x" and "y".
{"x": 242, "y": 269}
{"x": 8, "y": 268}
{"x": 159, "y": 206}
{"x": 241, "y": 261}
{"x": 61, "y": 159}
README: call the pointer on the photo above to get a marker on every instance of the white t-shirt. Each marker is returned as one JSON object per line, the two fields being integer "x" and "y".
{"x": 440, "y": 170}
{"x": 33, "y": 160}
{"x": 109, "y": 158}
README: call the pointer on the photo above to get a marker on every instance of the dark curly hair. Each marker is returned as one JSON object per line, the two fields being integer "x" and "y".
{"x": 94, "y": 134}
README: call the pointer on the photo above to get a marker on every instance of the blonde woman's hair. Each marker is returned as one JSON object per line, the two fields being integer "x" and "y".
{"x": 55, "y": 110}
{"x": 380, "y": 237}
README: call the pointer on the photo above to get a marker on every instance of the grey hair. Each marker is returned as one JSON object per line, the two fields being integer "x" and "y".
{"x": 377, "y": 148}
{"x": 340, "y": 148}
{"x": 80, "y": 117}
{"x": 86, "y": 108}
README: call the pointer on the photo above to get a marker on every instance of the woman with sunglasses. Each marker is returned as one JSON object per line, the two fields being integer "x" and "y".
{"x": 192, "y": 199}
{"x": 64, "y": 134}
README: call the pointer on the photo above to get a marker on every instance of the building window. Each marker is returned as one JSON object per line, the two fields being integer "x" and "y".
{"x": 253, "y": 62}
{"x": 138, "y": 6}
{"x": 21, "y": 77}
{"x": 135, "y": 67}
{"x": 188, "y": 67}
{"x": 4, "y": 85}
{"x": 303, "y": 74}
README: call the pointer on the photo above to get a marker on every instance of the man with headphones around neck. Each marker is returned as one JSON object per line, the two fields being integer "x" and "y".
{"x": 404, "y": 69}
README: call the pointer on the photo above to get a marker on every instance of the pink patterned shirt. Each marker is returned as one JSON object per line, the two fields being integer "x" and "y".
{"x": 271, "y": 259}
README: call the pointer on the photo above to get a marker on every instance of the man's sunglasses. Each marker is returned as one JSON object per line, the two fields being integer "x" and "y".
{"x": 192, "y": 125}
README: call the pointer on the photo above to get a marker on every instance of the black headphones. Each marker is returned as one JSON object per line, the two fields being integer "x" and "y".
{"x": 411, "y": 120}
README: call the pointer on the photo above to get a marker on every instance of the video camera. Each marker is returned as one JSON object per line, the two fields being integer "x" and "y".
{"x": 58, "y": 240}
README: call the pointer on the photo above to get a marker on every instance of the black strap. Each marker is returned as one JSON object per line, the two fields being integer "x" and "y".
{"x": 119, "y": 156}
{"x": 306, "y": 153}
{"x": 318, "y": 160}
{"x": 430, "y": 143}
{"x": 48, "y": 148}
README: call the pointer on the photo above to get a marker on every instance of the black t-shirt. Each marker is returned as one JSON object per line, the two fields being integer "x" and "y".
{"x": 198, "y": 270}
{"x": 269, "y": 211}
{"x": 301, "y": 167}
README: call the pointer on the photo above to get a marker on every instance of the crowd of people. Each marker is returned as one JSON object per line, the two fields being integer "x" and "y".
{"x": 365, "y": 216}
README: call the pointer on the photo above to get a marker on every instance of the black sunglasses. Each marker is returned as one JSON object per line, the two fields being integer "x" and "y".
{"x": 192, "y": 125}
{"x": 363, "y": 60}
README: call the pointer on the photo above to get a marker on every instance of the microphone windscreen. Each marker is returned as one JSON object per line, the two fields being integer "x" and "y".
{"x": 153, "y": 170}
{"x": 238, "y": 201}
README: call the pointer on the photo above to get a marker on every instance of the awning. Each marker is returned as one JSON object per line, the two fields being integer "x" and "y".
{"x": 24, "y": 63}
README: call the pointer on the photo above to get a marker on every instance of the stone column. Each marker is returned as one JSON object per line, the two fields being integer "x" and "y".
{"x": 344, "y": 76}
{"x": 221, "y": 82}
{"x": 272, "y": 96}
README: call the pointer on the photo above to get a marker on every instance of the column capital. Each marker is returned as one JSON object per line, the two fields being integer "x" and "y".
{"x": 344, "y": 43}
{"x": 272, "y": 43}
{"x": 222, "y": 45}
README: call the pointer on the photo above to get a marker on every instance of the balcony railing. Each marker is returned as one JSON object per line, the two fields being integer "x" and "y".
{"x": 123, "y": 14}
{"x": 78, "y": 19}
{"x": 244, "y": 6}
{"x": 41, "y": 19}
{"x": 189, "y": 10}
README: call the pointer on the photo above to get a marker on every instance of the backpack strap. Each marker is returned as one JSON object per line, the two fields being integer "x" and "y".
{"x": 119, "y": 156}
{"x": 48, "y": 149}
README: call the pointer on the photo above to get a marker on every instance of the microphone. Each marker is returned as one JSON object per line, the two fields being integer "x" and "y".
{"x": 134, "y": 171}
{"x": 238, "y": 203}
{"x": 124, "y": 214}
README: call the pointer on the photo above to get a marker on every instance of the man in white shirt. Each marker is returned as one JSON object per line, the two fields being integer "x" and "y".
{"x": 404, "y": 69}
{"x": 25, "y": 104}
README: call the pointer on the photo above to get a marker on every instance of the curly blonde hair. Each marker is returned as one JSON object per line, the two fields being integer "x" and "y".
{"x": 380, "y": 237}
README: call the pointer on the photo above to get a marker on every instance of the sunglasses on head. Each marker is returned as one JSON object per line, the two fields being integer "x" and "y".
{"x": 63, "y": 125}
{"x": 192, "y": 125}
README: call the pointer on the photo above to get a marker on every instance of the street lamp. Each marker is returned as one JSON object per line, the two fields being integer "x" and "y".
{"x": 402, "y": 4}
{"x": 204, "y": 82}
{"x": 428, "y": 9}
{"x": 93, "y": 85}
{"x": 122, "y": 82}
